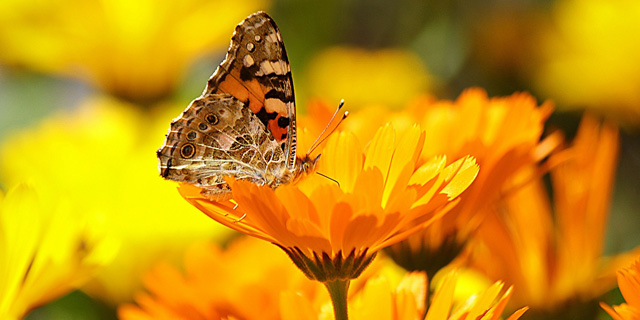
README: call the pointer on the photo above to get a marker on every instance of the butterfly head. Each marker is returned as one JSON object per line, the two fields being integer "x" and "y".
{"x": 305, "y": 166}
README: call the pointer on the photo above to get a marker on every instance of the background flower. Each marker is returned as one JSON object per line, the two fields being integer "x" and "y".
{"x": 136, "y": 50}
{"x": 102, "y": 159}
{"x": 629, "y": 283}
{"x": 503, "y": 133}
{"x": 46, "y": 251}
{"x": 367, "y": 77}
{"x": 554, "y": 254}
{"x": 222, "y": 283}
{"x": 384, "y": 298}
{"x": 588, "y": 58}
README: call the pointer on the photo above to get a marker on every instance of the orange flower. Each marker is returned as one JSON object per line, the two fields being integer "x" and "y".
{"x": 555, "y": 257}
{"x": 333, "y": 231}
{"x": 629, "y": 283}
{"x": 381, "y": 192}
{"x": 226, "y": 283}
{"x": 221, "y": 284}
{"x": 503, "y": 134}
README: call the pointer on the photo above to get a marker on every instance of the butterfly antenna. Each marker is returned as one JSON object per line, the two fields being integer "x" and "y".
{"x": 322, "y": 135}
{"x": 332, "y": 179}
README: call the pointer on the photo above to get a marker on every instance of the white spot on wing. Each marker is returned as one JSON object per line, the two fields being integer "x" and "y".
{"x": 225, "y": 141}
{"x": 272, "y": 37}
{"x": 248, "y": 61}
{"x": 268, "y": 67}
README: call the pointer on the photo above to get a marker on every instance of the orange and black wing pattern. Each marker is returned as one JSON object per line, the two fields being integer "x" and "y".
{"x": 256, "y": 71}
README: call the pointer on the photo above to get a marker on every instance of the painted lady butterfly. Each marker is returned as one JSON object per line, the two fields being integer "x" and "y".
{"x": 244, "y": 123}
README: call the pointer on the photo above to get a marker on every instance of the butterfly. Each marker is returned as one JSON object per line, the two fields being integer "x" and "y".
{"x": 244, "y": 123}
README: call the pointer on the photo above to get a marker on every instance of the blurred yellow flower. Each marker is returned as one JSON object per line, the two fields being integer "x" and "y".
{"x": 45, "y": 250}
{"x": 590, "y": 58}
{"x": 555, "y": 257}
{"x": 629, "y": 284}
{"x": 388, "y": 77}
{"x": 381, "y": 299}
{"x": 102, "y": 157}
{"x": 138, "y": 50}
{"x": 502, "y": 133}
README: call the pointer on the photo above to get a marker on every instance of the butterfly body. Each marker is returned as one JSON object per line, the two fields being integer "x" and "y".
{"x": 244, "y": 123}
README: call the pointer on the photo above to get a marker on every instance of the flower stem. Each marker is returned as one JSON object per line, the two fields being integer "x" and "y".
{"x": 338, "y": 291}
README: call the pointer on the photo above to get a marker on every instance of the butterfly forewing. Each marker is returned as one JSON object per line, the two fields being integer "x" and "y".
{"x": 256, "y": 71}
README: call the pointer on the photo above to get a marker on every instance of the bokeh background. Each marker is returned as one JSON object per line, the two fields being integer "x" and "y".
{"x": 88, "y": 88}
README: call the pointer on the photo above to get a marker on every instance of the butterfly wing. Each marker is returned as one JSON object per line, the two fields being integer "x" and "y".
{"x": 256, "y": 71}
{"x": 243, "y": 125}
{"x": 217, "y": 136}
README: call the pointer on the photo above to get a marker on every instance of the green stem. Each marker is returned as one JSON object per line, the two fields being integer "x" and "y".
{"x": 338, "y": 291}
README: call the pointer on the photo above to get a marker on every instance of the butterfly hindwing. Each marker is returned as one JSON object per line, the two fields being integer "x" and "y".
{"x": 217, "y": 136}
{"x": 256, "y": 71}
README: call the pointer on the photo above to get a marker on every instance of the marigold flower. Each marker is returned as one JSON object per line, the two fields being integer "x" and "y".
{"x": 381, "y": 191}
{"x": 45, "y": 251}
{"x": 99, "y": 157}
{"x": 555, "y": 257}
{"x": 629, "y": 284}
{"x": 221, "y": 284}
{"x": 137, "y": 50}
{"x": 503, "y": 134}
{"x": 332, "y": 232}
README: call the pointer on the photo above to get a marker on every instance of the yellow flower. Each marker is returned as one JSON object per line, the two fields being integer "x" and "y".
{"x": 45, "y": 251}
{"x": 502, "y": 133}
{"x": 555, "y": 257}
{"x": 629, "y": 283}
{"x": 138, "y": 50}
{"x": 590, "y": 59}
{"x": 102, "y": 157}
{"x": 389, "y": 77}
{"x": 381, "y": 193}
{"x": 380, "y": 299}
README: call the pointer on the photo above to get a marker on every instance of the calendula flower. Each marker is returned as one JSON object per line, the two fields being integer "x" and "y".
{"x": 589, "y": 58}
{"x": 332, "y": 232}
{"x": 380, "y": 299}
{"x": 364, "y": 77}
{"x": 138, "y": 50}
{"x": 221, "y": 284}
{"x": 102, "y": 158}
{"x": 555, "y": 257}
{"x": 502, "y": 133}
{"x": 45, "y": 250}
{"x": 629, "y": 284}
